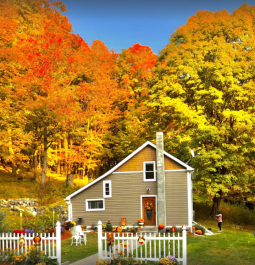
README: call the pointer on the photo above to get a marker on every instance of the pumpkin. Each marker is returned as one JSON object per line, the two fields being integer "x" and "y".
{"x": 119, "y": 229}
{"x": 173, "y": 229}
{"x": 161, "y": 226}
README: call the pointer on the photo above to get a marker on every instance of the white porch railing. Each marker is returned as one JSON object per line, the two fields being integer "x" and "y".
{"x": 155, "y": 245}
{"x": 49, "y": 243}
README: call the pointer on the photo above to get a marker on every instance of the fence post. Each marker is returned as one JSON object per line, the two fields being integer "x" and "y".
{"x": 58, "y": 234}
{"x": 184, "y": 245}
{"x": 100, "y": 249}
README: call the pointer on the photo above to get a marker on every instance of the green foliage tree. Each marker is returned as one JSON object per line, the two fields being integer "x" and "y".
{"x": 203, "y": 96}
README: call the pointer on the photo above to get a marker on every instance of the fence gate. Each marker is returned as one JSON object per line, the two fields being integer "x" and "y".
{"x": 143, "y": 246}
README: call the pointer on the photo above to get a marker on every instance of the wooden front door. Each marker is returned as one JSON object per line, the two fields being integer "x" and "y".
{"x": 149, "y": 210}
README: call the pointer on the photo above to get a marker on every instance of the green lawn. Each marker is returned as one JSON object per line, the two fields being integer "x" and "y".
{"x": 229, "y": 247}
{"x": 74, "y": 253}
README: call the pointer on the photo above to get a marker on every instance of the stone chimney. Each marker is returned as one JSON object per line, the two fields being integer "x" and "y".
{"x": 161, "y": 179}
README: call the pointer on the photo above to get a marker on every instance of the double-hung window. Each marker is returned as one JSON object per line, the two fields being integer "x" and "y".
{"x": 149, "y": 171}
{"x": 95, "y": 205}
{"x": 107, "y": 189}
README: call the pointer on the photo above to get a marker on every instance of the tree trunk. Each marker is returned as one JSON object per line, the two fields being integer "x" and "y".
{"x": 14, "y": 171}
{"x": 59, "y": 161}
{"x": 216, "y": 204}
{"x": 36, "y": 176}
{"x": 45, "y": 147}
{"x": 66, "y": 154}
{"x": 69, "y": 179}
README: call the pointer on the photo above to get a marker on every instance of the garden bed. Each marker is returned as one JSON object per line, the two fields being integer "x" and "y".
{"x": 65, "y": 235}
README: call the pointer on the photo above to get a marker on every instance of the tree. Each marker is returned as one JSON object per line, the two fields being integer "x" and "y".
{"x": 40, "y": 88}
{"x": 129, "y": 130}
{"x": 202, "y": 96}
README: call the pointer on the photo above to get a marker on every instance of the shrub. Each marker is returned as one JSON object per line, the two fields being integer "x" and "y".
{"x": 32, "y": 257}
{"x": 3, "y": 222}
{"x": 29, "y": 231}
{"x": 19, "y": 232}
{"x": 169, "y": 260}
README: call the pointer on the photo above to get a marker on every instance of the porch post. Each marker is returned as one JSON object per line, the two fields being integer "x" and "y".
{"x": 58, "y": 235}
{"x": 184, "y": 245}
{"x": 100, "y": 248}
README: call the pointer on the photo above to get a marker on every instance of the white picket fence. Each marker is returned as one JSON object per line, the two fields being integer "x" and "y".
{"x": 155, "y": 245}
{"x": 49, "y": 243}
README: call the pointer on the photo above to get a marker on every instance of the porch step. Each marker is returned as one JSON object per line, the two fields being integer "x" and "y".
{"x": 149, "y": 229}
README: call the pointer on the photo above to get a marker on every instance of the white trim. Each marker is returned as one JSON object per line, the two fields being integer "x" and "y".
{"x": 124, "y": 161}
{"x": 127, "y": 172}
{"x": 190, "y": 204}
{"x": 110, "y": 188}
{"x": 154, "y": 170}
{"x": 70, "y": 211}
{"x": 156, "y": 204}
{"x": 90, "y": 210}
{"x": 172, "y": 170}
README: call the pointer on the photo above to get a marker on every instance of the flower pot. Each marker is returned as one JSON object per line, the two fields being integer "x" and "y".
{"x": 141, "y": 224}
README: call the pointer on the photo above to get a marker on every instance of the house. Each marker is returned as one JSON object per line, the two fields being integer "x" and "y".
{"x": 149, "y": 183}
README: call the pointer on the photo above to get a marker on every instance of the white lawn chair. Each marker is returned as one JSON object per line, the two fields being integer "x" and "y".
{"x": 82, "y": 234}
{"x": 75, "y": 236}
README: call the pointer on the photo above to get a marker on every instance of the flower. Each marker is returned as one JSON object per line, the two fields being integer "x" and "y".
{"x": 148, "y": 206}
{"x": 140, "y": 220}
{"x": 169, "y": 260}
{"x": 30, "y": 231}
{"x": 19, "y": 232}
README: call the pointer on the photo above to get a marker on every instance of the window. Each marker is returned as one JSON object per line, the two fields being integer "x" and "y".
{"x": 149, "y": 173}
{"x": 95, "y": 205}
{"x": 107, "y": 189}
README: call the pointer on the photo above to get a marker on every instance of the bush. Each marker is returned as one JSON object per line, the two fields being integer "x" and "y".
{"x": 4, "y": 228}
{"x": 32, "y": 257}
{"x": 237, "y": 214}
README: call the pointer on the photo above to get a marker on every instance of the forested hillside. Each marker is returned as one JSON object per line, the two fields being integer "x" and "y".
{"x": 77, "y": 110}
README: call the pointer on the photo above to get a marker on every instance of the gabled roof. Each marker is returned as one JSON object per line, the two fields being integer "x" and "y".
{"x": 148, "y": 143}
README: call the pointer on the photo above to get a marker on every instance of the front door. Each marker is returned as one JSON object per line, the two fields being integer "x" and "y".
{"x": 149, "y": 211}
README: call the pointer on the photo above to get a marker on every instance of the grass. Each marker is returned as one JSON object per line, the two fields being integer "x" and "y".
{"x": 228, "y": 247}
{"x": 50, "y": 194}
{"x": 74, "y": 253}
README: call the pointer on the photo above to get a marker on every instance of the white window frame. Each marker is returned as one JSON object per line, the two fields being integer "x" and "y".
{"x": 110, "y": 188}
{"x": 87, "y": 205}
{"x": 144, "y": 170}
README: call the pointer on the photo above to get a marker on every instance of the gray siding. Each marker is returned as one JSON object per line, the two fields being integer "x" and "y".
{"x": 176, "y": 198}
{"x": 125, "y": 200}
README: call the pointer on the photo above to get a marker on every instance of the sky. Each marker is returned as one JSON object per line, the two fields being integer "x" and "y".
{"x": 122, "y": 23}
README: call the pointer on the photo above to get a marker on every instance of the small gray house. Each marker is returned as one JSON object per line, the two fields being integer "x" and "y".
{"x": 149, "y": 184}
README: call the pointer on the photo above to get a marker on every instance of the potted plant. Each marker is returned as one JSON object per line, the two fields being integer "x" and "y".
{"x": 161, "y": 227}
{"x": 109, "y": 226}
{"x": 141, "y": 222}
{"x": 173, "y": 229}
{"x": 169, "y": 260}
